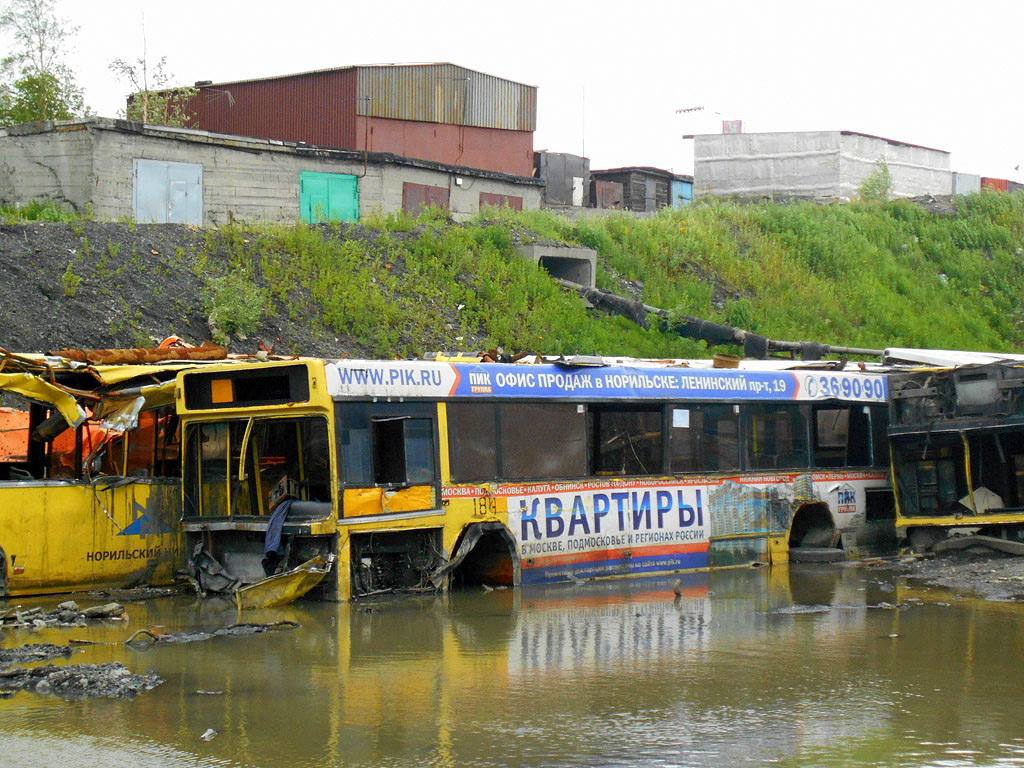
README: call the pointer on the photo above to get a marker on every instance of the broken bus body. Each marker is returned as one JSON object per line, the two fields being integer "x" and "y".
{"x": 90, "y": 489}
{"x": 420, "y": 474}
{"x": 957, "y": 443}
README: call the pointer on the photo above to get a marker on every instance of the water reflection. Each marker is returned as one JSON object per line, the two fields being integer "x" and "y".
{"x": 607, "y": 673}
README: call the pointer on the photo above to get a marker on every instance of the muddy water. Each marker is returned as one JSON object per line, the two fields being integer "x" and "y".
{"x": 747, "y": 667}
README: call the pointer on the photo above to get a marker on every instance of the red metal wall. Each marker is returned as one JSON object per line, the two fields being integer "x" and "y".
{"x": 317, "y": 108}
{"x": 321, "y": 108}
{"x": 1001, "y": 185}
{"x": 490, "y": 148}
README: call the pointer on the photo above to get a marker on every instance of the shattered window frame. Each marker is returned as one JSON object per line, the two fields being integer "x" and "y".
{"x": 243, "y": 471}
{"x": 365, "y": 460}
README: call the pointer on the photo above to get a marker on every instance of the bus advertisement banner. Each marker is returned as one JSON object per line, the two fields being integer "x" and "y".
{"x": 600, "y": 528}
{"x": 494, "y": 380}
{"x": 607, "y": 531}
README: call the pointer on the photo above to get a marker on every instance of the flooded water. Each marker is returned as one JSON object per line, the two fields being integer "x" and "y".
{"x": 785, "y": 667}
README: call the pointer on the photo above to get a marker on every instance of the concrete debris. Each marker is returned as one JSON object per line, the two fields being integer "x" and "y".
{"x": 67, "y": 614}
{"x": 79, "y": 681}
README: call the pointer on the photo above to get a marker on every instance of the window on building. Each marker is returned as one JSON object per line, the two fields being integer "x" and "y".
{"x": 416, "y": 197}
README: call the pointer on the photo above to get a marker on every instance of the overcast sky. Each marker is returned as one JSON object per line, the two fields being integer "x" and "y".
{"x": 612, "y": 75}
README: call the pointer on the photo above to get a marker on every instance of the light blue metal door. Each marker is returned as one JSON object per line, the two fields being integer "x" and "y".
{"x": 164, "y": 192}
{"x": 328, "y": 197}
{"x": 682, "y": 193}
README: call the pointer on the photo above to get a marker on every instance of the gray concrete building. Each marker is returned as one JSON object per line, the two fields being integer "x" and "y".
{"x": 148, "y": 173}
{"x": 812, "y": 165}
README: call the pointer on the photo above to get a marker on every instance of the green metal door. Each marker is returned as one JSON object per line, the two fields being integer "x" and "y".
{"x": 328, "y": 197}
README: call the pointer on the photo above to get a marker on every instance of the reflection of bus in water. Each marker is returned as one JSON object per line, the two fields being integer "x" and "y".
{"x": 89, "y": 475}
{"x": 414, "y": 473}
{"x": 957, "y": 442}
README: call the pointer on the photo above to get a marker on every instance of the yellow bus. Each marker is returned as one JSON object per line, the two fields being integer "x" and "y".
{"x": 90, "y": 488}
{"x": 417, "y": 475}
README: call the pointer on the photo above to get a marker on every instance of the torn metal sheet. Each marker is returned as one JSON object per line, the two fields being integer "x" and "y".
{"x": 120, "y": 411}
{"x": 284, "y": 588}
{"x": 37, "y": 390}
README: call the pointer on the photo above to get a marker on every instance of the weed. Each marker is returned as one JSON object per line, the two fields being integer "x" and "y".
{"x": 70, "y": 281}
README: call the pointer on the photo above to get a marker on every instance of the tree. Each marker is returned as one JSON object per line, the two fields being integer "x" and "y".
{"x": 35, "y": 81}
{"x": 878, "y": 184}
{"x": 151, "y": 100}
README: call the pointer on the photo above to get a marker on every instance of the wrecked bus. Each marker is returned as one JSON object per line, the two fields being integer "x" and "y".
{"x": 417, "y": 475}
{"x": 957, "y": 442}
{"x": 90, "y": 488}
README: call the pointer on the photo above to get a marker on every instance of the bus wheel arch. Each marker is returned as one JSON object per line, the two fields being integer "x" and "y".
{"x": 484, "y": 554}
{"x": 3, "y": 573}
{"x": 813, "y": 526}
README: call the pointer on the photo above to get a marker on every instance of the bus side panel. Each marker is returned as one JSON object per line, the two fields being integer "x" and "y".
{"x": 70, "y": 536}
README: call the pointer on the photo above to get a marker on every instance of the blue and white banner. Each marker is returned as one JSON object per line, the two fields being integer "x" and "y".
{"x": 493, "y": 380}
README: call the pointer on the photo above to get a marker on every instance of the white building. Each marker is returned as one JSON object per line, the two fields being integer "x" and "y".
{"x": 812, "y": 165}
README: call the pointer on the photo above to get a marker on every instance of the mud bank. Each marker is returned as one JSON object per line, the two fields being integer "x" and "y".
{"x": 978, "y": 571}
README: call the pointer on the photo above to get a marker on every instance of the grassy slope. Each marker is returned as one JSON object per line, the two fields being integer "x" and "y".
{"x": 860, "y": 274}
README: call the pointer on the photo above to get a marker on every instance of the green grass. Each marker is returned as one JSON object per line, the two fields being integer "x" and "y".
{"x": 864, "y": 274}
{"x": 872, "y": 273}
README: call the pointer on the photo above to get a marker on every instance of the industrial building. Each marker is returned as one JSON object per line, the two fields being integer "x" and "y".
{"x": 157, "y": 174}
{"x": 818, "y": 165}
{"x": 441, "y": 113}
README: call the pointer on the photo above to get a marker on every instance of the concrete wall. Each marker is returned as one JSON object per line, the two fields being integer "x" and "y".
{"x": 803, "y": 165}
{"x": 40, "y": 166}
{"x": 914, "y": 170}
{"x": 239, "y": 184}
{"x": 243, "y": 179}
{"x": 812, "y": 165}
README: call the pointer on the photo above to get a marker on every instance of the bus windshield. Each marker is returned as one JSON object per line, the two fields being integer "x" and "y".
{"x": 234, "y": 464}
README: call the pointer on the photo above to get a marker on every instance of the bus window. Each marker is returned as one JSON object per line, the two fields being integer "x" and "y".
{"x": 704, "y": 438}
{"x": 842, "y": 436}
{"x": 403, "y": 451}
{"x": 473, "y": 441}
{"x": 776, "y": 436}
{"x": 352, "y": 422}
{"x": 627, "y": 440}
{"x": 388, "y": 444}
{"x": 930, "y": 476}
{"x": 542, "y": 440}
{"x": 232, "y": 466}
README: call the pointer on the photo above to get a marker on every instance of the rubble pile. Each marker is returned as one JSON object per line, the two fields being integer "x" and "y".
{"x": 67, "y": 614}
{"x": 79, "y": 681}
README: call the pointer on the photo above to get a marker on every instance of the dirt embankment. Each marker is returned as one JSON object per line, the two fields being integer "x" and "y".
{"x": 101, "y": 285}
